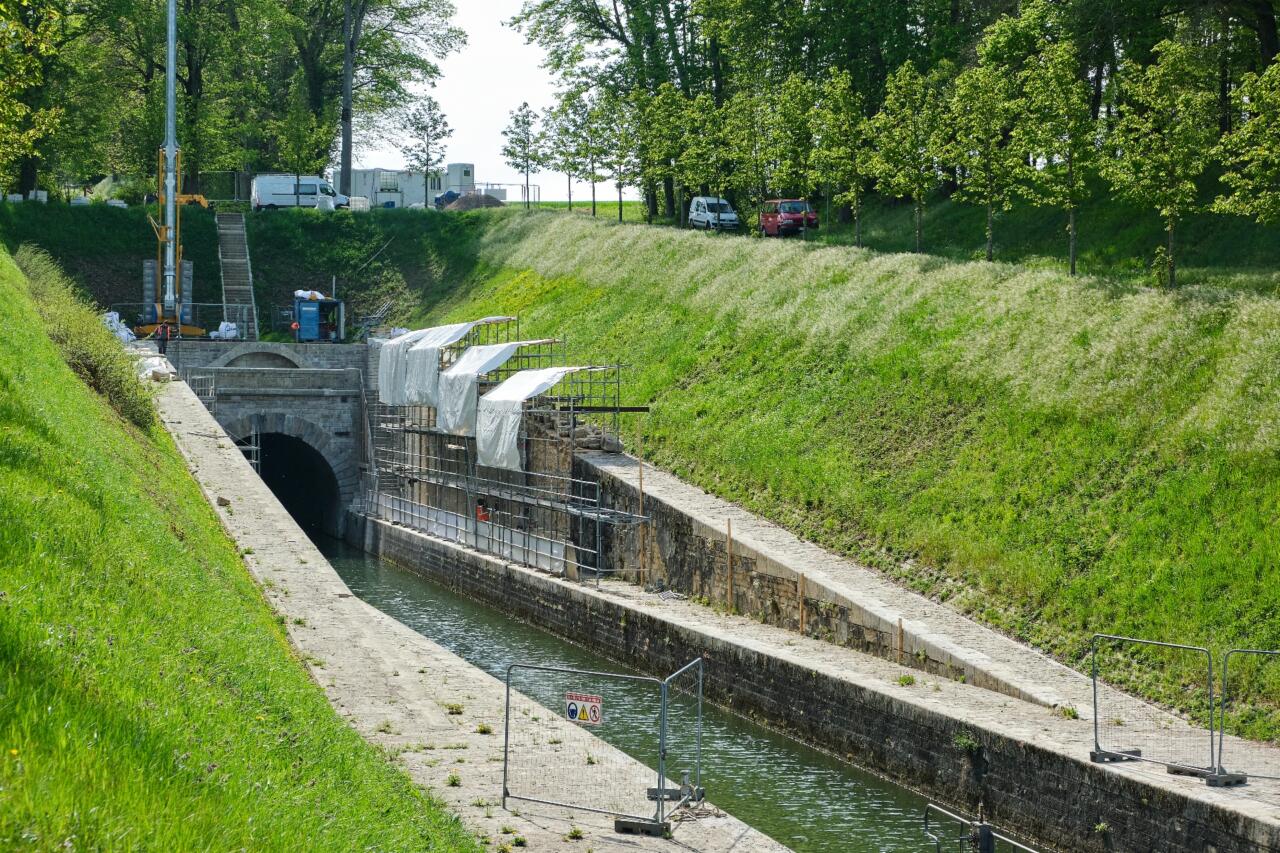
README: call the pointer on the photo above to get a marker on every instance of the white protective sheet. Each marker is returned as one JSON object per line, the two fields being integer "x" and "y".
{"x": 393, "y": 366}
{"x": 499, "y": 412}
{"x": 457, "y": 395}
{"x": 423, "y": 365}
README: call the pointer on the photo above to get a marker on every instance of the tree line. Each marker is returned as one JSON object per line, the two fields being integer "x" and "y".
{"x": 288, "y": 85}
{"x": 1157, "y": 99}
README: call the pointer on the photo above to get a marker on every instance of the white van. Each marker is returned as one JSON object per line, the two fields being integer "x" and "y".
{"x": 272, "y": 191}
{"x": 709, "y": 212}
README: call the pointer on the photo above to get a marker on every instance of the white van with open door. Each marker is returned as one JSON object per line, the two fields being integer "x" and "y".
{"x": 272, "y": 191}
{"x": 709, "y": 212}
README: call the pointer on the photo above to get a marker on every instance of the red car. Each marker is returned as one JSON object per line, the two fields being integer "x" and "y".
{"x": 780, "y": 217}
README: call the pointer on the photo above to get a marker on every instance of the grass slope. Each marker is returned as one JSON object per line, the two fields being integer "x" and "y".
{"x": 1054, "y": 456}
{"x": 148, "y": 696}
{"x": 103, "y": 248}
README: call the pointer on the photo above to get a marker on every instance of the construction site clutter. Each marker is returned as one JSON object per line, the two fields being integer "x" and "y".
{"x": 472, "y": 201}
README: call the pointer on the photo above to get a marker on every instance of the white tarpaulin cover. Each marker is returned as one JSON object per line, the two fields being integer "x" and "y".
{"x": 423, "y": 373}
{"x": 122, "y": 332}
{"x": 456, "y": 398}
{"x": 498, "y": 415}
{"x": 393, "y": 366}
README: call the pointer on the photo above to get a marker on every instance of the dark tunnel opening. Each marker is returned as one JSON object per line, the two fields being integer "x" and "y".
{"x": 302, "y": 480}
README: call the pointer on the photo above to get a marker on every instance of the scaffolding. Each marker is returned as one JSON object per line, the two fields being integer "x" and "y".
{"x": 539, "y": 514}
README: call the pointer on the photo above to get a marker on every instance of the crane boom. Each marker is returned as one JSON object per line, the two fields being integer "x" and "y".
{"x": 170, "y": 232}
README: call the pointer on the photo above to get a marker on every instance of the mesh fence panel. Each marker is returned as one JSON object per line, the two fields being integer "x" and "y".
{"x": 684, "y": 726}
{"x": 1250, "y": 708}
{"x": 1125, "y": 726}
{"x": 549, "y": 762}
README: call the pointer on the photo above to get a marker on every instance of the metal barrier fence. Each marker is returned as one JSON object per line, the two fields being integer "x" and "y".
{"x": 206, "y": 315}
{"x": 204, "y": 386}
{"x": 1256, "y": 675}
{"x": 548, "y": 763}
{"x": 1128, "y": 730}
{"x": 974, "y": 836}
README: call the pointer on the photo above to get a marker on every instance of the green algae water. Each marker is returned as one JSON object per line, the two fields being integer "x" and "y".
{"x": 806, "y": 799}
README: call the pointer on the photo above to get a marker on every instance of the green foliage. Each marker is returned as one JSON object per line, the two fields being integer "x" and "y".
{"x": 523, "y": 150}
{"x": 427, "y": 129}
{"x": 905, "y": 130}
{"x": 1041, "y": 447}
{"x": 298, "y": 135}
{"x": 1163, "y": 137}
{"x": 789, "y": 136}
{"x": 148, "y": 698}
{"x": 88, "y": 348}
{"x": 981, "y": 114}
{"x": 1057, "y": 133}
{"x": 842, "y": 135}
{"x": 1252, "y": 151}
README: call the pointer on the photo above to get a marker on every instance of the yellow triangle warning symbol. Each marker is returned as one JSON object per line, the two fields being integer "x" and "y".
{"x": 582, "y": 712}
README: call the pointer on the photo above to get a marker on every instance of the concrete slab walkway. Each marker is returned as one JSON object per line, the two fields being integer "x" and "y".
{"x": 435, "y": 714}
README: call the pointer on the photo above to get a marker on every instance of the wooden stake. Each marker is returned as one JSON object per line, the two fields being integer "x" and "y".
{"x": 728, "y": 550}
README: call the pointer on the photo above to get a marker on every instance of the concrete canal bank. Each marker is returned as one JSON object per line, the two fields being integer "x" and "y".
{"x": 435, "y": 714}
{"x": 1025, "y": 763}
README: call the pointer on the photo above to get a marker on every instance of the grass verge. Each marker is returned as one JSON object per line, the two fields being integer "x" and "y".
{"x": 148, "y": 697}
{"x": 1053, "y": 456}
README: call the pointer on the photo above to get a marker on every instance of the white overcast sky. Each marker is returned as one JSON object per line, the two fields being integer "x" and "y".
{"x": 478, "y": 89}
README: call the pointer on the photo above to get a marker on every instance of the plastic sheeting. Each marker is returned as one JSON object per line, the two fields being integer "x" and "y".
{"x": 457, "y": 394}
{"x": 393, "y": 367}
{"x": 309, "y": 295}
{"x": 499, "y": 412}
{"x": 423, "y": 362}
{"x": 226, "y": 331}
{"x": 117, "y": 327}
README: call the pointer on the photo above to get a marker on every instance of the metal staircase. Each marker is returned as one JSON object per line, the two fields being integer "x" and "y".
{"x": 237, "y": 275}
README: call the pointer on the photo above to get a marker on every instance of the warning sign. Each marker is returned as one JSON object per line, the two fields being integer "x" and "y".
{"x": 582, "y": 708}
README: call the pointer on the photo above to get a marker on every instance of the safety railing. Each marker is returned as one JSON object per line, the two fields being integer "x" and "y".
{"x": 208, "y": 316}
{"x": 548, "y": 762}
{"x": 972, "y": 835}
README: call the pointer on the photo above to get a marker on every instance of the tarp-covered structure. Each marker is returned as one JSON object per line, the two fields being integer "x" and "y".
{"x": 409, "y": 365}
{"x": 457, "y": 396}
{"x": 499, "y": 414}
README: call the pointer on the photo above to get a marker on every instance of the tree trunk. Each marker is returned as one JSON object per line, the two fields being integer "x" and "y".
{"x": 857, "y": 220}
{"x": 352, "y": 19}
{"x": 527, "y": 200}
{"x": 919, "y": 224}
{"x": 990, "y": 222}
{"x": 570, "y": 182}
{"x": 28, "y": 174}
{"x": 1173, "y": 269}
{"x": 1268, "y": 37}
{"x": 669, "y": 197}
{"x": 1071, "y": 238}
{"x": 619, "y": 201}
{"x": 591, "y": 161}
{"x": 593, "y": 198}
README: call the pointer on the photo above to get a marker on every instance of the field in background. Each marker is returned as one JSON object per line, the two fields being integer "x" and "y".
{"x": 148, "y": 696}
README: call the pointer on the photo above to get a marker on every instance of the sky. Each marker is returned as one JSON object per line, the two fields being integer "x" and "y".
{"x": 479, "y": 87}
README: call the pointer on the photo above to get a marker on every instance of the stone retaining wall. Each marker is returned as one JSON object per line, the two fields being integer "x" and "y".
{"x": 938, "y": 748}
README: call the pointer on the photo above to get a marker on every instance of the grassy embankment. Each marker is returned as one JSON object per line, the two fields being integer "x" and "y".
{"x": 1054, "y": 456}
{"x": 103, "y": 248}
{"x": 148, "y": 697}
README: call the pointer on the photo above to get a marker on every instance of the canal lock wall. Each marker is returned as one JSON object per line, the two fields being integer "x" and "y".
{"x": 959, "y": 744}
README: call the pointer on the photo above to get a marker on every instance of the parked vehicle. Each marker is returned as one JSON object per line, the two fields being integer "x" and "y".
{"x": 781, "y": 217}
{"x": 708, "y": 212}
{"x": 272, "y": 191}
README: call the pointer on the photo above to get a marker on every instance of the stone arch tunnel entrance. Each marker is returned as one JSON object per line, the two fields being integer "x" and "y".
{"x": 301, "y": 478}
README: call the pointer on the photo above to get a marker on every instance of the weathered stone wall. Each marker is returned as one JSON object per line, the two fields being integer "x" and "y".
{"x": 692, "y": 557}
{"x": 1024, "y": 786}
{"x": 187, "y": 355}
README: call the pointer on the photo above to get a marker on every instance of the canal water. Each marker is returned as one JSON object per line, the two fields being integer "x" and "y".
{"x": 806, "y": 799}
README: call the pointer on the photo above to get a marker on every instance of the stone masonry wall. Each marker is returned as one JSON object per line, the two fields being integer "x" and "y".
{"x": 1023, "y": 786}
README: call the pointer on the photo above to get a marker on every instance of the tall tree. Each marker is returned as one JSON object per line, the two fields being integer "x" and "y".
{"x": 1164, "y": 136}
{"x": 427, "y": 131}
{"x": 705, "y": 160}
{"x": 841, "y": 153}
{"x": 387, "y": 45}
{"x": 523, "y": 150}
{"x": 297, "y": 136}
{"x": 791, "y": 136}
{"x": 1251, "y": 152}
{"x": 905, "y": 157}
{"x": 621, "y": 144}
{"x": 1057, "y": 134}
{"x": 983, "y": 107}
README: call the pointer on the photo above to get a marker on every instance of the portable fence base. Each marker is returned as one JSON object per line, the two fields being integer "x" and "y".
{"x": 1175, "y": 770}
{"x": 1223, "y": 779}
{"x": 631, "y": 826}
{"x": 1100, "y": 757}
{"x": 666, "y": 794}
{"x": 695, "y": 795}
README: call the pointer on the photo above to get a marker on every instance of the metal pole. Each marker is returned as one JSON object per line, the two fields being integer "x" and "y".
{"x": 1093, "y": 656}
{"x": 170, "y": 161}
{"x": 506, "y": 738}
{"x": 662, "y": 751}
{"x": 697, "y": 767}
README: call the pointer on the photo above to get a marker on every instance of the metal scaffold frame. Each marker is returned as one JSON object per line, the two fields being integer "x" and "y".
{"x": 541, "y": 515}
